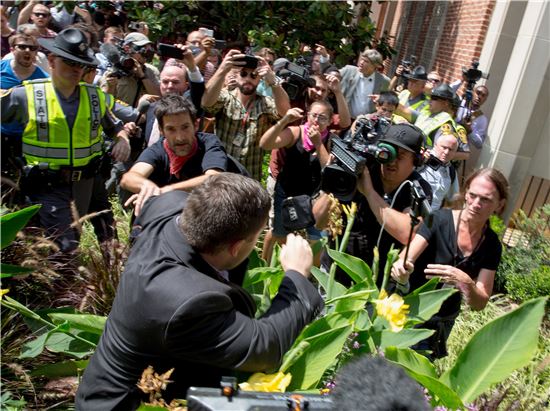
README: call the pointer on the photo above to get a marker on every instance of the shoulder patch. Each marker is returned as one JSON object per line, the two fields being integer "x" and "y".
{"x": 122, "y": 103}
{"x": 446, "y": 129}
{"x": 5, "y": 92}
{"x": 462, "y": 134}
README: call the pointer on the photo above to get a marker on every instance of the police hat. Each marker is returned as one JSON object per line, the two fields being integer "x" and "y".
{"x": 444, "y": 91}
{"x": 404, "y": 135}
{"x": 418, "y": 73}
{"x": 70, "y": 44}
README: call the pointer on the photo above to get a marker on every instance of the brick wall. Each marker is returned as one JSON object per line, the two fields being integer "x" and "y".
{"x": 451, "y": 34}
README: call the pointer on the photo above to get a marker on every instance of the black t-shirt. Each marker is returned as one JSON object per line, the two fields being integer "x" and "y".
{"x": 210, "y": 155}
{"x": 443, "y": 249}
{"x": 366, "y": 229}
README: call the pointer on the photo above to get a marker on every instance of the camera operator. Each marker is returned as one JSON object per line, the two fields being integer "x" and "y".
{"x": 475, "y": 122}
{"x": 139, "y": 77}
{"x": 439, "y": 172}
{"x": 378, "y": 189}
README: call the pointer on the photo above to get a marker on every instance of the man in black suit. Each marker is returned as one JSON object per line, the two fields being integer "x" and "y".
{"x": 179, "y": 303}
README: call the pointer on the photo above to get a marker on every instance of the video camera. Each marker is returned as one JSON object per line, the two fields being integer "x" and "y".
{"x": 408, "y": 65}
{"x": 472, "y": 75}
{"x": 353, "y": 153}
{"x": 297, "y": 79}
{"x": 228, "y": 397}
{"x": 120, "y": 61}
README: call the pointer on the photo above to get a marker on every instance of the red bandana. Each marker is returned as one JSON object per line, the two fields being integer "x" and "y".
{"x": 177, "y": 162}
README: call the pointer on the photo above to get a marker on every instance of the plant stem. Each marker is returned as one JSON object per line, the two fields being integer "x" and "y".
{"x": 343, "y": 245}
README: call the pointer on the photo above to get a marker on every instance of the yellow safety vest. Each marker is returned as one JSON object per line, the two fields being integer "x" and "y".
{"x": 422, "y": 105}
{"x": 47, "y": 137}
{"x": 428, "y": 124}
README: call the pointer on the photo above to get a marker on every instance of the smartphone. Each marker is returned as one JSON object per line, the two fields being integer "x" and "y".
{"x": 167, "y": 50}
{"x": 220, "y": 44}
{"x": 251, "y": 61}
{"x": 207, "y": 32}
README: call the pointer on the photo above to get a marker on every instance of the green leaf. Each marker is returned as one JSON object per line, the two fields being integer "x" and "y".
{"x": 12, "y": 223}
{"x": 293, "y": 354}
{"x": 441, "y": 394}
{"x": 498, "y": 348}
{"x": 428, "y": 286}
{"x": 144, "y": 407}
{"x": 61, "y": 369}
{"x": 423, "y": 306}
{"x": 33, "y": 348}
{"x": 9, "y": 270}
{"x": 255, "y": 261}
{"x": 352, "y": 300}
{"x": 412, "y": 360}
{"x": 259, "y": 274}
{"x": 86, "y": 322}
{"x": 356, "y": 268}
{"x": 63, "y": 343}
{"x": 20, "y": 308}
{"x": 326, "y": 323}
{"x": 323, "y": 278}
{"x": 402, "y": 339}
{"x": 322, "y": 352}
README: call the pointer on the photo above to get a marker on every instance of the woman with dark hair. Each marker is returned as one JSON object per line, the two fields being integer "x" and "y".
{"x": 460, "y": 249}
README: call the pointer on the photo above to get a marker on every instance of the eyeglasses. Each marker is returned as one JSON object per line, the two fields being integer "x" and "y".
{"x": 434, "y": 80}
{"x": 319, "y": 117}
{"x": 483, "y": 200}
{"x": 73, "y": 63}
{"x": 42, "y": 15}
{"x": 250, "y": 74}
{"x": 26, "y": 47}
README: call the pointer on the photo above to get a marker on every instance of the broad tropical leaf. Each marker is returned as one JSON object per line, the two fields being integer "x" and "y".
{"x": 86, "y": 322}
{"x": 403, "y": 339}
{"x": 412, "y": 360}
{"x": 9, "y": 270}
{"x": 356, "y": 268}
{"x": 423, "y": 306}
{"x": 12, "y": 223}
{"x": 61, "y": 369}
{"x": 322, "y": 352}
{"x": 67, "y": 344}
{"x": 498, "y": 348}
{"x": 323, "y": 278}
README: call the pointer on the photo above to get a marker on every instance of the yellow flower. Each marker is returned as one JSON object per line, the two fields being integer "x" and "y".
{"x": 393, "y": 309}
{"x": 350, "y": 210}
{"x": 4, "y": 291}
{"x": 267, "y": 383}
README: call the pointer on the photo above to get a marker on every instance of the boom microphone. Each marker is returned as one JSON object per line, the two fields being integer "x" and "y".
{"x": 142, "y": 109}
{"x": 111, "y": 53}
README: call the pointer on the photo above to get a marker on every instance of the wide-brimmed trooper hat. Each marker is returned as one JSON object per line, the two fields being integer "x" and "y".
{"x": 418, "y": 73}
{"x": 444, "y": 91}
{"x": 71, "y": 44}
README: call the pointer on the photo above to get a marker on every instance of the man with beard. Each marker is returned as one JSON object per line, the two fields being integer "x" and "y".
{"x": 181, "y": 160}
{"x": 243, "y": 115}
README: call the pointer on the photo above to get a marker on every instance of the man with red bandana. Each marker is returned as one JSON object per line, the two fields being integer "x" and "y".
{"x": 181, "y": 160}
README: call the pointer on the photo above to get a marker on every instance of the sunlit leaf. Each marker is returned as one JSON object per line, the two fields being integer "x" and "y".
{"x": 12, "y": 223}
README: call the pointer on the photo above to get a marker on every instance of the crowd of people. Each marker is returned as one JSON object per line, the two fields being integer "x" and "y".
{"x": 88, "y": 110}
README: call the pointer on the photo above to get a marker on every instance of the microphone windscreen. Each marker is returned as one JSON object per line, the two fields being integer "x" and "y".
{"x": 111, "y": 53}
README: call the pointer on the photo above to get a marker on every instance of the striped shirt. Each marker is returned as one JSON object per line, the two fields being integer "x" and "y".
{"x": 240, "y": 128}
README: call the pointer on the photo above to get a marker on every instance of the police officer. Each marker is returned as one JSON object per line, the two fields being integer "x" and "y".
{"x": 62, "y": 139}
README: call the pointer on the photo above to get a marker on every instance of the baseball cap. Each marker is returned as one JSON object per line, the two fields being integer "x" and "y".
{"x": 138, "y": 39}
{"x": 406, "y": 136}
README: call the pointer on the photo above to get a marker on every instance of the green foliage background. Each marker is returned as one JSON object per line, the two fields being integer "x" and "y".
{"x": 281, "y": 25}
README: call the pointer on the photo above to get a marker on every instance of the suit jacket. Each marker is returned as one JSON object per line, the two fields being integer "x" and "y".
{"x": 172, "y": 309}
{"x": 350, "y": 77}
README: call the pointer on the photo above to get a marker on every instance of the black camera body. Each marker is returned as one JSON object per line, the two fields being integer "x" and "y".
{"x": 120, "y": 62}
{"x": 433, "y": 162}
{"x": 355, "y": 152}
{"x": 297, "y": 80}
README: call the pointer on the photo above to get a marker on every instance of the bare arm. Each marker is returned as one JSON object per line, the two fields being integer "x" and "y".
{"x": 397, "y": 223}
{"x": 25, "y": 13}
{"x": 190, "y": 184}
{"x": 216, "y": 82}
{"x": 402, "y": 270}
{"x": 282, "y": 102}
{"x": 341, "y": 104}
{"x": 279, "y": 135}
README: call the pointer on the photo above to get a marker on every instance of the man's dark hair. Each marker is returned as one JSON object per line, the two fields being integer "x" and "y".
{"x": 173, "y": 104}
{"x": 374, "y": 384}
{"x": 225, "y": 208}
{"x": 388, "y": 97}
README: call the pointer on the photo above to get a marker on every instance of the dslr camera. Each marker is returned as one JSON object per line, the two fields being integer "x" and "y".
{"x": 355, "y": 152}
{"x": 297, "y": 80}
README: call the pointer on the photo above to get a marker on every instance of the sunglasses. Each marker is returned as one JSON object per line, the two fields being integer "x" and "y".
{"x": 72, "y": 63}
{"x": 26, "y": 47}
{"x": 433, "y": 80}
{"x": 42, "y": 15}
{"x": 250, "y": 74}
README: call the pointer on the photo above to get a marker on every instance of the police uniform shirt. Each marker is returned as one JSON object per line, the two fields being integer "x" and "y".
{"x": 15, "y": 109}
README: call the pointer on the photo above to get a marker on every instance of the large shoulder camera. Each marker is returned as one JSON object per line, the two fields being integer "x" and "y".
{"x": 120, "y": 62}
{"x": 297, "y": 80}
{"x": 353, "y": 153}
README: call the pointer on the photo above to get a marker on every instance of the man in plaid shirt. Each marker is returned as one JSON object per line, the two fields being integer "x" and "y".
{"x": 242, "y": 115}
